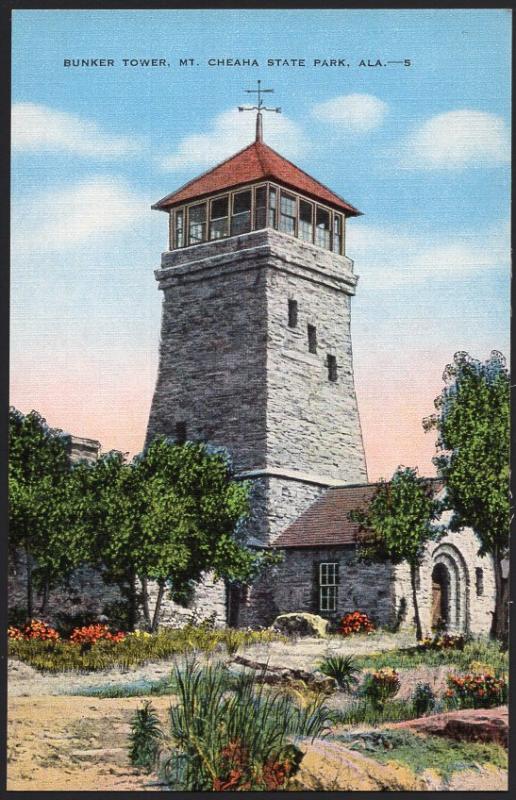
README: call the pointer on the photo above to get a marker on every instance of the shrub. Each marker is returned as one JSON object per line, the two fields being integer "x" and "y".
{"x": 91, "y": 634}
{"x": 232, "y": 641}
{"x": 380, "y": 686}
{"x": 240, "y": 741}
{"x": 481, "y": 690}
{"x": 446, "y": 641}
{"x": 34, "y": 630}
{"x": 423, "y": 699}
{"x": 145, "y": 737}
{"x": 355, "y": 622}
{"x": 342, "y": 668}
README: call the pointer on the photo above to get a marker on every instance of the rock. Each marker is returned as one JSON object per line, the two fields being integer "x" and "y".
{"x": 286, "y": 676}
{"x": 329, "y": 766}
{"x": 472, "y": 725}
{"x": 302, "y": 624}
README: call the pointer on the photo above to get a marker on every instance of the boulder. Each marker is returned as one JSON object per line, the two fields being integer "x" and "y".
{"x": 328, "y": 766}
{"x": 472, "y": 725}
{"x": 301, "y": 623}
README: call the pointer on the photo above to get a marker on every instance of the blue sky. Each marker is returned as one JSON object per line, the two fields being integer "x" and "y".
{"x": 421, "y": 150}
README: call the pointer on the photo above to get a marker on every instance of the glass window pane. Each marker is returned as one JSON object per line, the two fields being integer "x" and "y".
{"x": 241, "y": 223}
{"x": 242, "y": 202}
{"x": 197, "y": 223}
{"x": 322, "y": 234}
{"x": 260, "y": 200}
{"x": 288, "y": 214}
{"x": 272, "y": 207}
{"x": 305, "y": 221}
{"x": 219, "y": 207}
{"x": 179, "y": 235}
{"x": 219, "y": 228}
{"x": 337, "y": 233}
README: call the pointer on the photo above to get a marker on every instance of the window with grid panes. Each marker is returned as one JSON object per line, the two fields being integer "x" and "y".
{"x": 241, "y": 219}
{"x": 179, "y": 238}
{"x": 273, "y": 205}
{"x": 306, "y": 229}
{"x": 328, "y": 583}
{"x": 337, "y": 233}
{"x": 260, "y": 207}
{"x": 219, "y": 217}
{"x": 322, "y": 228}
{"x": 197, "y": 224}
{"x": 288, "y": 213}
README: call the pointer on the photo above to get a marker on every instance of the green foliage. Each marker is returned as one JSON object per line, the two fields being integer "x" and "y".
{"x": 145, "y": 737}
{"x": 419, "y": 753}
{"x": 361, "y": 711}
{"x": 423, "y": 699}
{"x": 47, "y": 502}
{"x": 473, "y": 445}
{"x": 380, "y": 686}
{"x": 342, "y": 668}
{"x": 398, "y": 523}
{"x": 137, "y": 648}
{"x": 476, "y": 650}
{"x": 217, "y": 713}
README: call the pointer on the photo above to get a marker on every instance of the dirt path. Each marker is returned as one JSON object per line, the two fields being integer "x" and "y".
{"x": 74, "y": 743}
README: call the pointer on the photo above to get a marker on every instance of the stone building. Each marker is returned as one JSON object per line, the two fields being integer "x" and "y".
{"x": 256, "y": 356}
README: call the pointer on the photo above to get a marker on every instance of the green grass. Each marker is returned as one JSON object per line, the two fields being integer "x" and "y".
{"x": 219, "y": 713}
{"x": 142, "y": 688}
{"x": 482, "y": 651}
{"x": 419, "y": 753}
{"x": 362, "y": 712}
{"x": 62, "y": 656}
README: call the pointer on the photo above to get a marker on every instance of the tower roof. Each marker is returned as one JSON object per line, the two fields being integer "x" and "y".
{"x": 255, "y": 162}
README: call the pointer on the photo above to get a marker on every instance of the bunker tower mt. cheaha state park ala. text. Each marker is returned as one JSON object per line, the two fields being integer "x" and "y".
{"x": 255, "y": 341}
{"x": 256, "y": 357}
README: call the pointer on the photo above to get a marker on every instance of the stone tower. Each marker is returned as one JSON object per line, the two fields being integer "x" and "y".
{"x": 255, "y": 350}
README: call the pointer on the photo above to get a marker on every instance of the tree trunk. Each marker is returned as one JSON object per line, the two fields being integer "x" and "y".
{"x": 44, "y": 598}
{"x": 145, "y": 601}
{"x": 499, "y": 626}
{"x": 413, "y": 573}
{"x": 132, "y": 602}
{"x": 157, "y": 608}
{"x": 30, "y": 589}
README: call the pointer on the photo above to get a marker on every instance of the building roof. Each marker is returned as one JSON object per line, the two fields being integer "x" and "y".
{"x": 326, "y": 523}
{"x": 255, "y": 162}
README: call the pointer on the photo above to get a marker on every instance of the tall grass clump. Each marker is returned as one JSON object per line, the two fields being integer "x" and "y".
{"x": 231, "y": 732}
{"x": 484, "y": 651}
{"x": 342, "y": 668}
{"x": 145, "y": 737}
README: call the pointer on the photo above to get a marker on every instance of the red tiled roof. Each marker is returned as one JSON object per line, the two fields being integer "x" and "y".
{"x": 326, "y": 523}
{"x": 255, "y": 162}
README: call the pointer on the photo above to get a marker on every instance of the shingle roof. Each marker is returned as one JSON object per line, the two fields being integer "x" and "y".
{"x": 255, "y": 162}
{"x": 326, "y": 523}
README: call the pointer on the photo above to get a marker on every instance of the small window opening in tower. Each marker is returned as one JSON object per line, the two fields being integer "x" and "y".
{"x": 479, "y": 581}
{"x": 260, "y": 207}
{"x": 306, "y": 227}
{"x": 273, "y": 205}
{"x": 288, "y": 213}
{"x": 241, "y": 218}
{"x": 179, "y": 231}
{"x": 180, "y": 432}
{"x": 197, "y": 224}
{"x": 292, "y": 313}
{"x": 219, "y": 217}
{"x": 322, "y": 233}
{"x": 332, "y": 367}
{"x": 312, "y": 338}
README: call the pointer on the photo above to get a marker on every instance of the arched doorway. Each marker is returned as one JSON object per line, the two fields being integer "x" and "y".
{"x": 450, "y": 590}
{"x": 440, "y": 597}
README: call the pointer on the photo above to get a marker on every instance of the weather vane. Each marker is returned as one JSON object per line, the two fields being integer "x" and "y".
{"x": 259, "y": 108}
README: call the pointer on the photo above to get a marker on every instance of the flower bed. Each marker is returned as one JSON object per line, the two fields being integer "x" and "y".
{"x": 355, "y": 622}
{"x": 476, "y": 690}
{"x": 446, "y": 641}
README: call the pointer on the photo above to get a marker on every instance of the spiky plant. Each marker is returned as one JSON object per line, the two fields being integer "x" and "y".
{"x": 145, "y": 737}
{"x": 342, "y": 668}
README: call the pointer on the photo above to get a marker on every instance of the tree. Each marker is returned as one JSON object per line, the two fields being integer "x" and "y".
{"x": 398, "y": 523}
{"x": 190, "y": 524}
{"x": 170, "y": 515}
{"x": 46, "y": 504}
{"x": 472, "y": 421}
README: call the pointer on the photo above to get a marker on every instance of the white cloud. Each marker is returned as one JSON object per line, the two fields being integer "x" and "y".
{"x": 457, "y": 139}
{"x": 38, "y": 128}
{"x": 387, "y": 257}
{"x": 356, "y": 113}
{"x": 84, "y": 213}
{"x": 231, "y": 131}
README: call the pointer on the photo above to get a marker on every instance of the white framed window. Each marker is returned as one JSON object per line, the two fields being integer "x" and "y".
{"x": 288, "y": 213}
{"x": 197, "y": 223}
{"x": 241, "y": 218}
{"x": 328, "y": 583}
